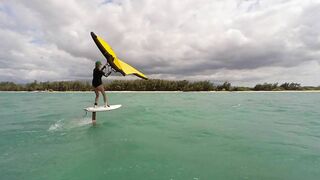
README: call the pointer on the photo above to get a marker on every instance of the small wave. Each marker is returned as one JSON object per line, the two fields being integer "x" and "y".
{"x": 290, "y": 144}
{"x": 69, "y": 124}
{"x": 236, "y": 105}
{"x": 56, "y": 126}
{"x": 83, "y": 122}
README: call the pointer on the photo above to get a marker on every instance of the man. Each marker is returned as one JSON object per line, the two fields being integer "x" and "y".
{"x": 97, "y": 83}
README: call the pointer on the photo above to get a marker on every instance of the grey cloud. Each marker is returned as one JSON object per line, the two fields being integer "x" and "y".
{"x": 171, "y": 39}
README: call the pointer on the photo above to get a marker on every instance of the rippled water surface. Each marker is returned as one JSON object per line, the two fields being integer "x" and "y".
{"x": 161, "y": 136}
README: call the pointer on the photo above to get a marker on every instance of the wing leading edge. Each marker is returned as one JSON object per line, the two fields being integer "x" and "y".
{"x": 115, "y": 63}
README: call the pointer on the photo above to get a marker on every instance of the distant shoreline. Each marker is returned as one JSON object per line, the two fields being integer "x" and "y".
{"x": 284, "y": 91}
{"x": 154, "y": 85}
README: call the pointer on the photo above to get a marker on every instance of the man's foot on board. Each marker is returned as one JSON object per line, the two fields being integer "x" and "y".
{"x": 106, "y": 105}
{"x": 95, "y": 105}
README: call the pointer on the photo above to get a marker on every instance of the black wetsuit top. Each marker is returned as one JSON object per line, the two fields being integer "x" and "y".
{"x": 97, "y": 75}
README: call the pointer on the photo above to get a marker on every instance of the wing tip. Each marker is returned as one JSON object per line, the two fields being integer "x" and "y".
{"x": 93, "y": 35}
{"x": 141, "y": 76}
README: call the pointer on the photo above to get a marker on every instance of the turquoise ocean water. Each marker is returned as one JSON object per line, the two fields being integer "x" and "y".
{"x": 178, "y": 136}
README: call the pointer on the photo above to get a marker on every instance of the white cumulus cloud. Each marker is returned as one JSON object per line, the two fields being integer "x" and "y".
{"x": 242, "y": 41}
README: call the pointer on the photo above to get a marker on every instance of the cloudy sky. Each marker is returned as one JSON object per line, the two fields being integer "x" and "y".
{"x": 241, "y": 41}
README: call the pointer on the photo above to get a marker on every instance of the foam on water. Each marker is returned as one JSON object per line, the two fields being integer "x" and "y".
{"x": 83, "y": 122}
{"x": 69, "y": 124}
{"x": 56, "y": 126}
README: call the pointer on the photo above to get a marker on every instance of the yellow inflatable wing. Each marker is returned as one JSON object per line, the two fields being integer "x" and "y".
{"x": 127, "y": 69}
{"x": 115, "y": 63}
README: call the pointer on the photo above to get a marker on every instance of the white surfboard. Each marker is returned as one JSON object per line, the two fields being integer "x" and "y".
{"x": 102, "y": 108}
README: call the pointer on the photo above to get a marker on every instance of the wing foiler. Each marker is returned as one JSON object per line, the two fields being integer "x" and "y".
{"x": 115, "y": 63}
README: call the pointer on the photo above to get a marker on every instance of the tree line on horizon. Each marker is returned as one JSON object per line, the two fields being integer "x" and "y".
{"x": 149, "y": 85}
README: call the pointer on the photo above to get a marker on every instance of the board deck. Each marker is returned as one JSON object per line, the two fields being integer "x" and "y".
{"x": 102, "y": 108}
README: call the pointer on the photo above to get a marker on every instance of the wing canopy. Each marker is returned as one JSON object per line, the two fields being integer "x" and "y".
{"x": 115, "y": 63}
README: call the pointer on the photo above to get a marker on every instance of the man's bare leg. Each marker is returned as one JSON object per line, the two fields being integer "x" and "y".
{"x": 105, "y": 99}
{"x": 97, "y": 96}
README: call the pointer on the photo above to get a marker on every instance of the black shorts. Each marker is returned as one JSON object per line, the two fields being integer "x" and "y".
{"x": 96, "y": 84}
